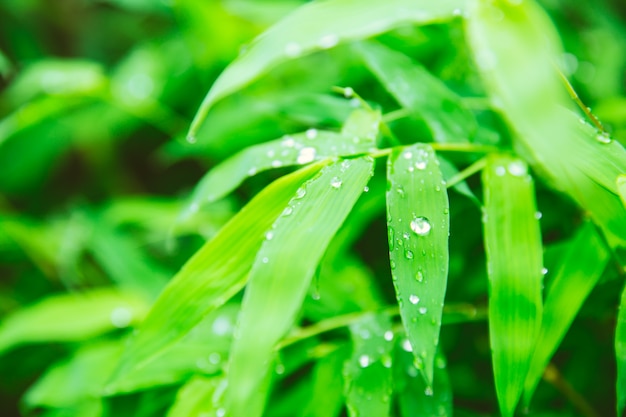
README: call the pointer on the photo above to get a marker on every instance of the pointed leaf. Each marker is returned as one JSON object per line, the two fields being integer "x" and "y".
{"x": 301, "y": 33}
{"x": 579, "y": 271}
{"x": 514, "y": 268}
{"x": 418, "y": 225}
{"x": 420, "y": 92}
{"x": 367, "y": 374}
{"x": 326, "y": 398}
{"x": 214, "y": 274}
{"x": 282, "y": 273}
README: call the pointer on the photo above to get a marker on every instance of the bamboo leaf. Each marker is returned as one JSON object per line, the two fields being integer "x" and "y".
{"x": 514, "y": 268}
{"x": 277, "y": 288}
{"x": 420, "y": 92}
{"x": 578, "y": 273}
{"x": 418, "y": 225}
{"x": 61, "y": 318}
{"x": 214, "y": 274}
{"x": 357, "y": 136}
{"x": 367, "y": 374}
{"x": 514, "y": 46}
{"x": 301, "y": 33}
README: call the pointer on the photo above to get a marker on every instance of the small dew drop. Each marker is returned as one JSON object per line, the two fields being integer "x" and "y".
{"x": 365, "y": 361}
{"x": 336, "y": 182}
{"x": 222, "y": 325}
{"x": 252, "y": 171}
{"x": 421, "y": 165}
{"x": 544, "y": 271}
{"x": 419, "y": 277}
{"x": 191, "y": 138}
{"x": 420, "y": 226}
{"x": 215, "y": 358}
{"x": 428, "y": 391}
{"x": 407, "y": 155}
{"x": 386, "y": 361}
{"x": 289, "y": 142}
{"x": 518, "y": 168}
{"x": 406, "y": 345}
{"x": 388, "y": 335}
{"x": 121, "y": 317}
{"x": 293, "y": 49}
{"x": 500, "y": 171}
{"x": 220, "y": 412}
{"x": 414, "y": 299}
{"x": 269, "y": 236}
{"x": 392, "y": 264}
{"x": 408, "y": 254}
{"x": 276, "y": 163}
{"x": 400, "y": 191}
{"x": 366, "y": 189}
{"x": 412, "y": 371}
{"x": 348, "y": 92}
{"x": 271, "y": 153}
{"x": 423, "y": 310}
{"x": 538, "y": 215}
{"x": 279, "y": 369}
{"x": 311, "y": 134}
{"x": 603, "y": 138}
{"x": 328, "y": 41}
{"x": 306, "y": 155}
{"x": 301, "y": 192}
{"x": 265, "y": 260}
{"x": 287, "y": 211}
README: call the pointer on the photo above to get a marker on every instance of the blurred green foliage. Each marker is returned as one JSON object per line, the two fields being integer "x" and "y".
{"x": 96, "y": 98}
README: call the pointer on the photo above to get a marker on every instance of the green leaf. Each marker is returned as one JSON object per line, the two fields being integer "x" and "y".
{"x": 621, "y": 188}
{"x": 357, "y": 136}
{"x": 414, "y": 396}
{"x": 368, "y": 382}
{"x": 515, "y": 46}
{"x": 514, "y": 268}
{"x": 301, "y": 33}
{"x": 418, "y": 224}
{"x": 420, "y": 92}
{"x": 214, "y": 274}
{"x": 277, "y": 288}
{"x": 578, "y": 273}
{"x": 196, "y": 397}
{"x": 62, "y": 318}
{"x": 326, "y": 399}
{"x": 620, "y": 355}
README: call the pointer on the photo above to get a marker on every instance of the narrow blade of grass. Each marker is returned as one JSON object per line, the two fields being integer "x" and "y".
{"x": 514, "y": 268}
{"x": 300, "y": 33}
{"x": 282, "y": 273}
{"x": 214, "y": 274}
{"x": 358, "y": 136}
{"x": 514, "y": 45}
{"x": 418, "y": 225}
{"x": 579, "y": 271}
{"x": 62, "y": 318}
{"x": 367, "y": 374}
{"x": 420, "y": 92}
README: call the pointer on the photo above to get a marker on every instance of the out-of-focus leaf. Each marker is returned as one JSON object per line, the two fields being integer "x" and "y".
{"x": 514, "y": 46}
{"x": 300, "y": 33}
{"x": 414, "y": 396}
{"x": 418, "y": 225}
{"x": 214, "y": 274}
{"x": 277, "y": 288}
{"x": 196, "y": 397}
{"x": 420, "y": 92}
{"x": 5, "y": 66}
{"x": 357, "y": 136}
{"x": 620, "y": 355}
{"x": 367, "y": 374}
{"x": 326, "y": 398}
{"x": 62, "y": 318}
{"x": 579, "y": 271}
{"x": 621, "y": 188}
{"x": 514, "y": 268}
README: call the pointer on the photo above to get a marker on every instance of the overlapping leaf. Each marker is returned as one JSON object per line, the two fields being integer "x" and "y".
{"x": 282, "y": 272}
{"x": 213, "y": 275}
{"x": 418, "y": 227}
{"x": 300, "y": 33}
{"x": 514, "y": 269}
{"x": 579, "y": 271}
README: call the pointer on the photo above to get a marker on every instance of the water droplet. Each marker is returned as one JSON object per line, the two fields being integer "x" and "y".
{"x": 276, "y": 163}
{"x": 457, "y": 12}
{"x": 293, "y": 49}
{"x": 301, "y": 192}
{"x": 419, "y": 276}
{"x": 544, "y": 271}
{"x": 289, "y": 142}
{"x": 306, "y": 155}
{"x": 604, "y": 138}
{"x": 191, "y": 138}
{"x": 408, "y": 254}
{"x": 500, "y": 171}
{"x": 252, "y": 171}
{"x": 408, "y": 155}
{"x": 328, "y": 41}
{"x": 287, "y": 211}
{"x": 420, "y": 226}
{"x": 269, "y": 235}
{"x": 366, "y": 189}
{"x": 279, "y": 369}
{"x": 538, "y": 215}
{"x": 265, "y": 260}
{"x": 365, "y": 361}
{"x": 220, "y": 412}
{"x": 271, "y": 153}
{"x": 121, "y": 317}
{"x": 215, "y": 358}
{"x": 414, "y": 299}
{"x": 411, "y": 371}
{"x": 421, "y": 165}
{"x": 440, "y": 362}
{"x": 222, "y": 325}
{"x": 336, "y": 182}
{"x": 392, "y": 264}
{"x": 406, "y": 345}
{"x": 311, "y": 133}
{"x": 518, "y": 168}
{"x": 388, "y": 335}
{"x": 348, "y": 92}
{"x": 400, "y": 190}
{"x": 423, "y": 310}
{"x": 428, "y": 391}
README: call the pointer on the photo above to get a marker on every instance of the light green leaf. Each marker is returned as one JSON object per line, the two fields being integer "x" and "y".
{"x": 357, "y": 136}
{"x": 277, "y": 288}
{"x": 214, "y": 274}
{"x": 514, "y": 268}
{"x": 62, "y": 318}
{"x": 516, "y": 46}
{"x": 414, "y": 396}
{"x": 326, "y": 399}
{"x": 420, "y": 92}
{"x": 196, "y": 397}
{"x": 301, "y": 33}
{"x": 367, "y": 374}
{"x": 418, "y": 225}
{"x": 579, "y": 271}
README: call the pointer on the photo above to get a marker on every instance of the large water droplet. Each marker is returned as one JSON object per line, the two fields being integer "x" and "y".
{"x": 306, "y": 155}
{"x": 414, "y": 299}
{"x": 420, "y": 226}
{"x": 336, "y": 182}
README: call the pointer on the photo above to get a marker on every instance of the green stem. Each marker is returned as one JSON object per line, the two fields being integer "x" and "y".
{"x": 467, "y": 172}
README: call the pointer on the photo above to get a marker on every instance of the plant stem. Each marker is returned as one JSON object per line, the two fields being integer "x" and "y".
{"x": 467, "y": 172}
